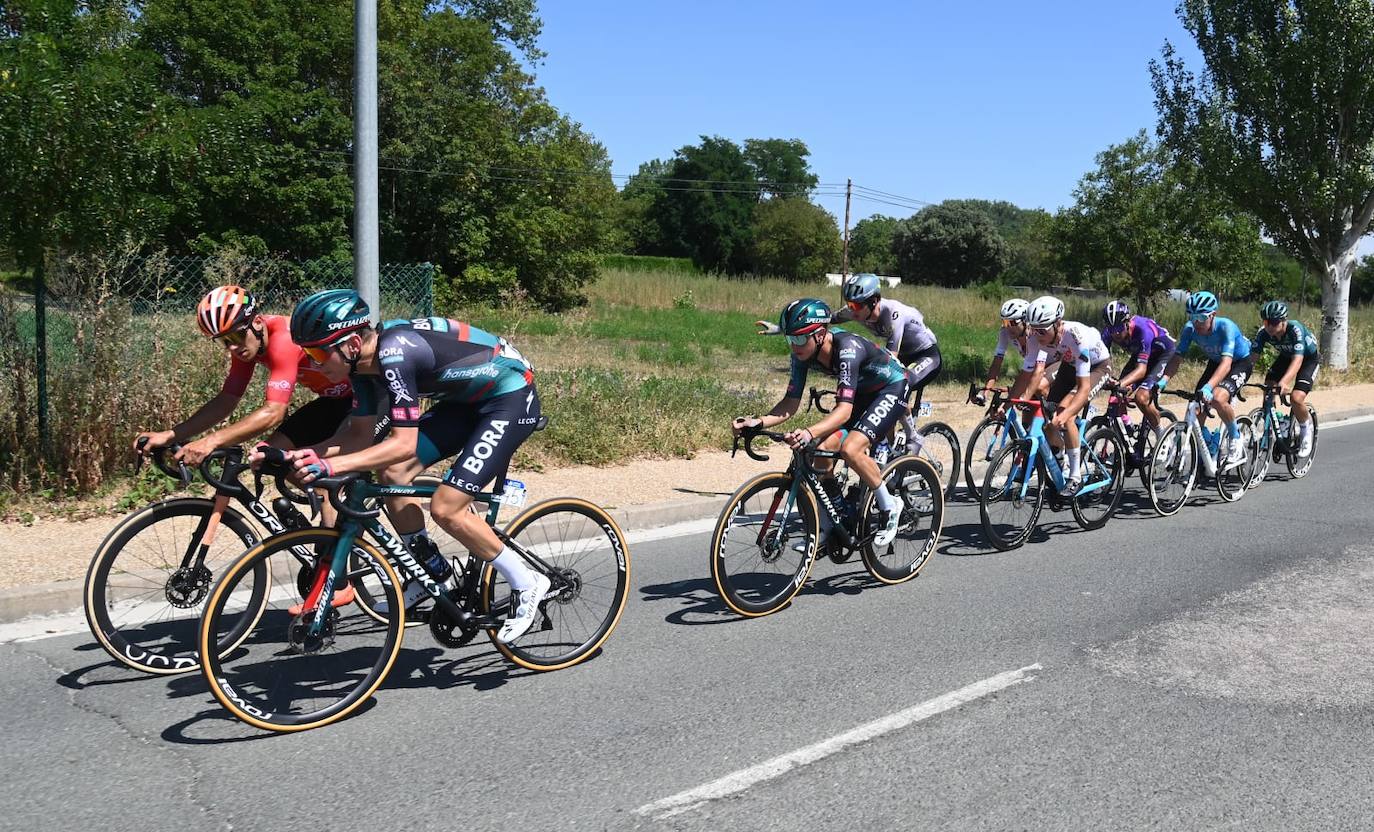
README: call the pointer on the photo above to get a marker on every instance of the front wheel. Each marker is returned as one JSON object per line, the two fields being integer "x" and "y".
{"x": 764, "y": 544}
{"x": 989, "y": 437}
{"x": 1013, "y": 494}
{"x": 921, "y": 501}
{"x": 1104, "y": 461}
{"x": 297, "y": 668}
{"x": 1173, "y": 469}
{"x": 1298, "y": 466}
{"x": 1232, "y": 481}
{"x": 582, "y": 551}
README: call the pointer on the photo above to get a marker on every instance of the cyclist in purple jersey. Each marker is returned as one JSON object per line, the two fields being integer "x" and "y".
{"x": 1150, "y": 346}
{"x": 484, "y": 405}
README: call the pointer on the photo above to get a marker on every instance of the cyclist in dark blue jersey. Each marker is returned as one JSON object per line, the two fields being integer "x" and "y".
{"x": 1229, "y": 362}
{"x": 483, "y": 406}
{"x": 871, "y": 390}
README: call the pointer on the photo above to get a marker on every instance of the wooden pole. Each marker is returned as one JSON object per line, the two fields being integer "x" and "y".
{"x": 844, "y": 262}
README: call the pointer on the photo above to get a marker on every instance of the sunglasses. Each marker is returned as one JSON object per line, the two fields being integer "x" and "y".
{"x": 234, "y": 337}
{"x": 1042, "y": 330}
{"x": 319, "y": 355}
{"x": 1009, "y": 322}
{"x": 856, "y": 305}
{"x": 1199, "y": 318}
{"x": 798, "y": 340}
{"x": 1274, "y": 322}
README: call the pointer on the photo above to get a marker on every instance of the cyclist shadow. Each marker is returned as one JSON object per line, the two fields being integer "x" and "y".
{"x": 432, "y": 667}
{"x": 698, "y": 599}
{"x": 1134, "y": 504}
{"x": 213, "y": 726}
{"x": 100, "y": 674}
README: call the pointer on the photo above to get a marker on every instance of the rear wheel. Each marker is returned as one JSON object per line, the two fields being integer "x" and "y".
{"x": 918, "y": 491}
{"x": 1264, "y": 447}
{"x": 1104, "y": 460}
{"x": 1012, "y": 496}
{"x": 940, "y": 449}
{"x": 1173, "y": 469}
{"x": 764, "y": 544}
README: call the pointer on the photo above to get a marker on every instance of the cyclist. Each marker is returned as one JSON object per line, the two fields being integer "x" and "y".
{"x": 906, "y": 333}
{"x": 870, "y": 393}
{"x": 484, "y": 405}
{"x": 1014, "y": 334}
{"x": 1150, "y": 346}
{"x": 1083, "y": 366}
{"x": 1295, "y": 376}
{"x": 229, "y": 315}
{"x": 1229, "y": 362}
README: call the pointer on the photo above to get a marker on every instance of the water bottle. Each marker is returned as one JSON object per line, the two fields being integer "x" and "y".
{"x": 1283, "y": 426}
{"x": 435, "y": 563}
{"x": 1213, "y": 438}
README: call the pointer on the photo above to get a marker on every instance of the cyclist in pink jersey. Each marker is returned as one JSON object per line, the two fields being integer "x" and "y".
{"x": 229, "y": 316}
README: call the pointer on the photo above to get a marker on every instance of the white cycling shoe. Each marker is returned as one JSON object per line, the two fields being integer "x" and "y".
{"x": 1236, "y": 455}
{"x": 526, "y": 610}
{"x": 888, "y": 533}
{"x": 1305, "y": 446}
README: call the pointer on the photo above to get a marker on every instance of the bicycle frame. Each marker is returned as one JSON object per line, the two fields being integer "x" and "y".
{"x": 1040, "y": 448}
{"x": 1190, "y": 418}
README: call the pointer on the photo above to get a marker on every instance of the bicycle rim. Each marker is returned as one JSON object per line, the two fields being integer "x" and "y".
{"x": 142, "y": 608}
{"x": 1104, "y": 459}
{"x": 1232, "y": 482}
{"x": 940, "y": 449}
{"x": 983, "y": 444}
{"x": 583, "y": 544}
{"x": 281, "y": 678}
{"x": 1173, "y": 469}
{"x": 1298, "y": 466}
{"x": 1012, "y": 496}
{"x": 755, "y": 561}
{"x": 917, "y": 488}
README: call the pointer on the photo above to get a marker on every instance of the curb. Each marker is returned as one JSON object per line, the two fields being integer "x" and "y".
{"x": 57, "y": 597}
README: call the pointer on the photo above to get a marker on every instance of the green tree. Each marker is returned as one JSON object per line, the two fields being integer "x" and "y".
{"x": 707, "y": 211}
{"x": 1280, "y": 120}
{"x": 637, "y": 223}
{"x": 949, "y": 246}
{"x": 870, "y": 245}
{"x": 780, "y": 166}
{"x": 1148, "y": 215}
{"x": 795, "y": 239}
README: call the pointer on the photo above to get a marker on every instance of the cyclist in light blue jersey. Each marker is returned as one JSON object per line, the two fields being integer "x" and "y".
{"x": 1229, "y": 362}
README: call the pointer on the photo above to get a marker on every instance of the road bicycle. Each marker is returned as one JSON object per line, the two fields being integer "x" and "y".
{"x": 1276, "y": 440}
{"x": 1187, "y": 446}
{"x": 1137, "y": 437}
{"x": 282, "y": 665}
{"x": 769, "y": 532}
{"x": 938, "y": 444}
{"x": 1014, "y": 486}
{"x": 989, "y": 436}
{"x": 147, "y": 582}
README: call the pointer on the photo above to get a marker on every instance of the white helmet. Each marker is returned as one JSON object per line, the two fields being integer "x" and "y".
{"x": 1045, "y": 310}
{"x": 1014, "y": 309}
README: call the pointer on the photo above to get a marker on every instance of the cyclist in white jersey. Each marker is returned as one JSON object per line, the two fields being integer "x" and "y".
{"x": 1014, "y": 335}
{"x": 1083, "y": 367}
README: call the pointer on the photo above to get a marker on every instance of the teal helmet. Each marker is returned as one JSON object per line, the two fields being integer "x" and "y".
{"x": 861, "y": 287}
{"x": 1201, "y": 303}
{"x": 804, "y": 316}
{"x": 1274, "y": 310}
{"x": 327, "y": 316}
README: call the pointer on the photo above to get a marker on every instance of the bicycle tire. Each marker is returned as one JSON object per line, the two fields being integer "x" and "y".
{"x": 1104, "y": 455}
{"x": 983, "y": 450}
{"x": 1232, "y": 483}
{"x": 270, "y": 643}
{"x": 1299, "y": 466}
{"x": 1020, "y": 467}
{"x": 947, "y": 461}
{"x": 1174, "y": 462}
{"x": 781, "y": 589}
{"x": 598, "y": 561}
{"x": 1265, "y": 438}
{"x": 913, "y": 482}
{"x": 149, "y": 643}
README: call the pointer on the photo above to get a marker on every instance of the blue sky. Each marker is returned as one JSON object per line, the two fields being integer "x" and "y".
{"x": 928, "y": 100}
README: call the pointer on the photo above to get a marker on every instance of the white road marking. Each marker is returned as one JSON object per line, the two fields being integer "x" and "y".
{"x": 776, "y": 767}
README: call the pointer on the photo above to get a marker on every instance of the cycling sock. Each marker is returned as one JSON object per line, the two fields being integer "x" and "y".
{"x": 1232, "y": 430}
{"x": 514, "y": 569}
{"x": 886, "y": 501}
{"x": 913, "y": 439}
{"x": 1072, "y": 454}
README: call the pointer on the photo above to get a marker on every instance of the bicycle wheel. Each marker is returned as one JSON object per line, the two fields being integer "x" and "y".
{"x": 583, "y": 551}
{"x": 940, "y": 448}
{"x": 1264, "y": 447}
{"x": 141, "y": 606}
{"x": 1232, "y": 482}
{"x": 1173, "y": 469}
{"x": 1013, "y": 494}
{"x": 917, "y": 487}
{"x": 1298, "y": 466}
{"x": 1104, "y": 458}
{"x": 282, "y": 678}
{"x": 762, "y": 549}
{"x": 988, "y": 437}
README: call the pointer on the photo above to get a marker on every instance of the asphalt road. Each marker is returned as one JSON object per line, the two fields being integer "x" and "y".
{"x": 1209, "y": 670}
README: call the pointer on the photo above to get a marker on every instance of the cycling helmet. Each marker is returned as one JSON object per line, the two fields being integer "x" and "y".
{"x": 1014, "y": 309}
{"x": 1201, "y": 303}
{"x": 1116, "y": 313}
{"x": 1274, "y": 310}
{"x": 327, "y": 316}
{"x": 804, "y": 316}
{"x": 224, "y": 309}
{"x": 862, "y": 287}
{"x": 1045, "y": 310}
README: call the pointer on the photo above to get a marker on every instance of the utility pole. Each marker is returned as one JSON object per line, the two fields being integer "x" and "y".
{"x": 844, "y": 262}
{"x": 365, "y": 233}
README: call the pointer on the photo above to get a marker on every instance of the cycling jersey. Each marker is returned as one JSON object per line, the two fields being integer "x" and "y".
{"x": 1148, "y": 342}
{"x": 287, "y": 366}
{"x": 903, "y": 326}
{"x": 1295, "y": 340}
{"x": 1224, "y": 341}
{"x": 1006, "y": 339}
{"x": 440, "y": 359}
{"x": 1079, "y": 345}
{"x": 858, "y": 365}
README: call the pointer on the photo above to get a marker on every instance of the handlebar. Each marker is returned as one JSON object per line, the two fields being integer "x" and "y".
{"x": 976, "y": 397}
{"x": 276, "y": 465}
{"x": 1273, "y": 390}
{"x": 818, "y": 398}
{"x": 749, "y": 434}
{"x": 181, "y": 472}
